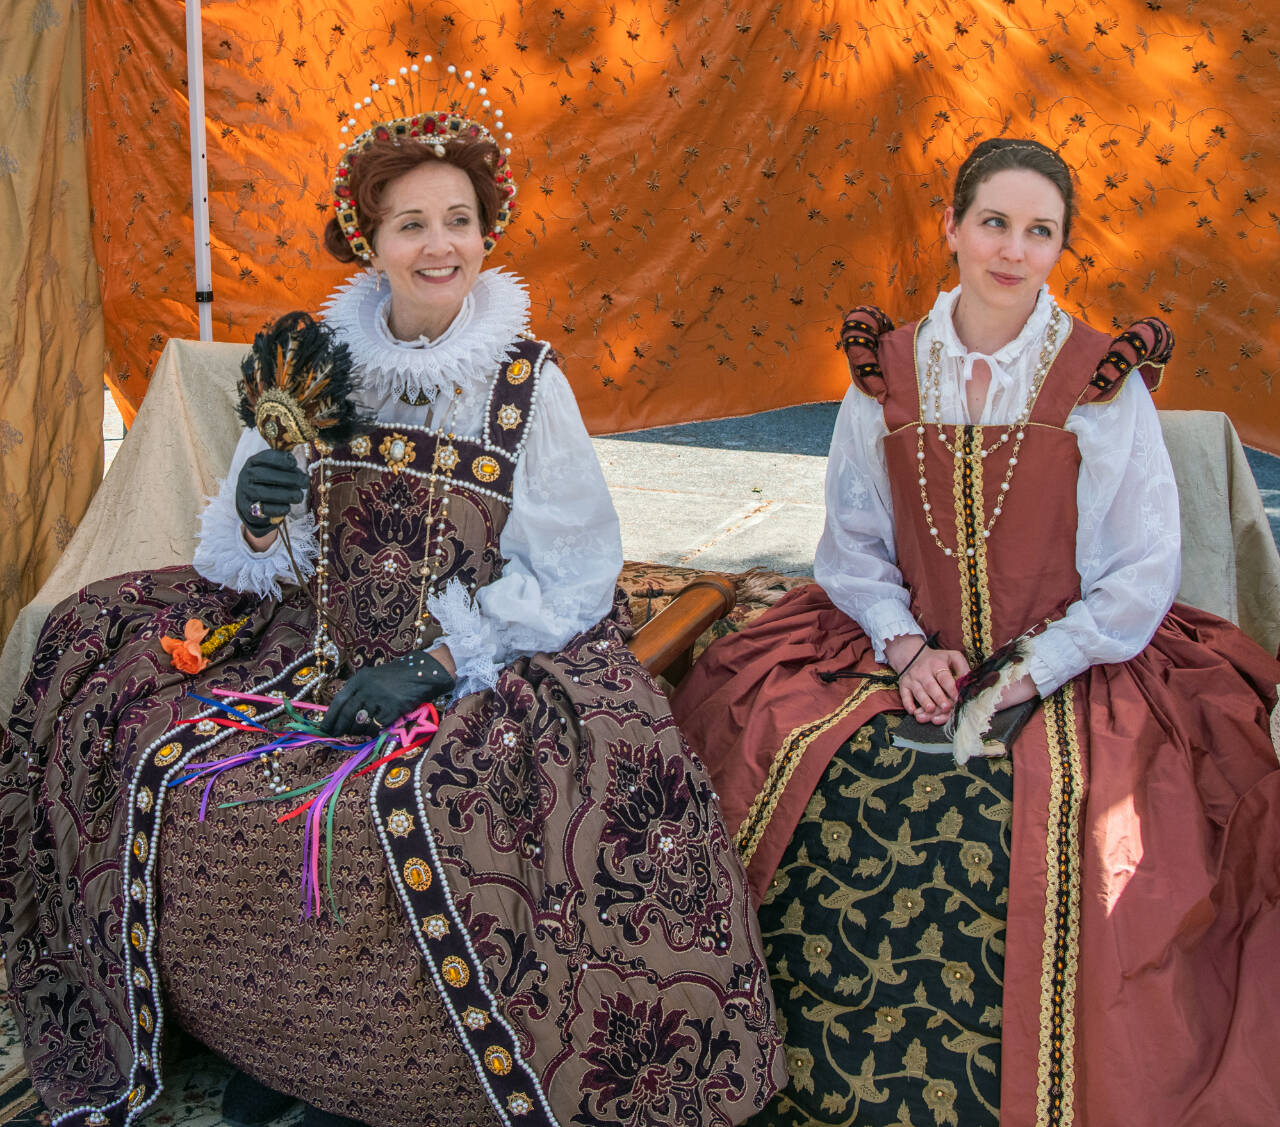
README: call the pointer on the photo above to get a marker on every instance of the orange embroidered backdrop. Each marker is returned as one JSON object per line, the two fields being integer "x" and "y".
{"x": 704, "y": 186}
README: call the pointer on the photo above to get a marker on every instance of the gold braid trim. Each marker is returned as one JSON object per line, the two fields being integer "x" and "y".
{"x": 784, "y": 765}
{"x": 971, "y": 545}
{"x": 1055, "y": 1073}
{"x": 978, "y": 565}
{"x": 221, "y": 636}
{"x": 962, "y": 563}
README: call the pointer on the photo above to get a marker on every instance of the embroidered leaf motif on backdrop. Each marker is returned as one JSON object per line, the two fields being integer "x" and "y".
{"x": 705, "y": 187}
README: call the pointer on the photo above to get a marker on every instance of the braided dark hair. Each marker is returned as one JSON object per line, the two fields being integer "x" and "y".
{"x": 1000, "y": 154}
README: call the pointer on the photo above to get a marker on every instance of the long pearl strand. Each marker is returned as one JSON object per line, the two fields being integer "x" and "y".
{"x": 1017, "y": 430}
{"x": 437, "y": 521}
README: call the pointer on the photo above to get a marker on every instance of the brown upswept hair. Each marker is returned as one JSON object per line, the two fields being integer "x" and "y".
{"x": 1000, "y": 154}
{"x": 385, "y": 161}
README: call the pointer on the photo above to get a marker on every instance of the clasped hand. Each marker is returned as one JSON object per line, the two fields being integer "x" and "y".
{"x": 376, "y": 695}
{"x": 927, "y": 677}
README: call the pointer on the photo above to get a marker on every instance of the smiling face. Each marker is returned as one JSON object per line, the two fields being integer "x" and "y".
{"x": 1007, "y": 242}
{"x": 431, "y": 245}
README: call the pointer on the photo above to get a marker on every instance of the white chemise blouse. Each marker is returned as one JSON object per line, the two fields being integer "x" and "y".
{"x": 561, "y": 542}
{"x": 1128, "y": 549}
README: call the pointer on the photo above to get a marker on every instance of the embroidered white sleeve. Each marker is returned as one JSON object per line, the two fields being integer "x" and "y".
{"x": 1128, "y": 540}
{"x": 856, "y": 562}
{"x": 562, "y": 547}
{"x": 222, "y": 555}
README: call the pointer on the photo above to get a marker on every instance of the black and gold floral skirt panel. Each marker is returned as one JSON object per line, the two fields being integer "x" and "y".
{"x": 884, "y": 935}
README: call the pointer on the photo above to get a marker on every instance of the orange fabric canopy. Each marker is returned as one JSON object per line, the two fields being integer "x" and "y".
{"x": 704, "y": 189}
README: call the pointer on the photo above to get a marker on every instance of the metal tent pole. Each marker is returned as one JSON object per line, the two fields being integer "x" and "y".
{"x": 199, "y": 171}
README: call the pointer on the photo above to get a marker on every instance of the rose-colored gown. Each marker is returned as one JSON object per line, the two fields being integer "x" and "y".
{"x": 1141, "y": 976}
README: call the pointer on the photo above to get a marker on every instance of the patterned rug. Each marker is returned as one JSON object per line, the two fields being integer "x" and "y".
{"x": 194, "y": 1081}
{"x": 651, "y": 587}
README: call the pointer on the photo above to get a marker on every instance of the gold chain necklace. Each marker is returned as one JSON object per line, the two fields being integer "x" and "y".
{"x": 437, "y": 518}
{"x": 1016, "y": 430}
{"x": 443, "y": 461}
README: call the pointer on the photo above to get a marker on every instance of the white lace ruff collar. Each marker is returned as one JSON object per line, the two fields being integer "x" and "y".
{"x": 466, "y": 354}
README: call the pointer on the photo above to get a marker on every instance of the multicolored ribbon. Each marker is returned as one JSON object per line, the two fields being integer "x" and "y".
{"x": 413, "y": 730}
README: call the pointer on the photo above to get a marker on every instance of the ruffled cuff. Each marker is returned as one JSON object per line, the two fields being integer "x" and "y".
{"x": 224, "y": 557}
{"x": 471, "y": 638}
{"x": 1054, "y": 659}
{"x": 887, "y": 619}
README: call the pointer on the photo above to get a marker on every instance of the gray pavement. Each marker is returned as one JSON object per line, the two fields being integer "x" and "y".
{"x": 736, "y": 493}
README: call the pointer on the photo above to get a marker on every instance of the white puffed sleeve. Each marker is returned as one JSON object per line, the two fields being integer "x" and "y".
{"x": 856, "y": 562}
{"x": 561, "y": 543}
{"x": 223, "y": 556}
{"x": 1128, "y": 541}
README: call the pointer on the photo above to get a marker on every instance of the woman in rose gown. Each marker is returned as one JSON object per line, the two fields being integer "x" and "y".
{"x": 1081, "y": 928}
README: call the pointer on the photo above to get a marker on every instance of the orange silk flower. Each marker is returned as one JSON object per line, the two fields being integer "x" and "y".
{"x": 185, "y": 651}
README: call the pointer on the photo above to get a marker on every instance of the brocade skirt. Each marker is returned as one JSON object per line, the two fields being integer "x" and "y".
{"x": 884, "y": 936}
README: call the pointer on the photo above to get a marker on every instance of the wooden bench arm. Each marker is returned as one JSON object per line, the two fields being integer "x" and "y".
{"x": 664, "y": 643}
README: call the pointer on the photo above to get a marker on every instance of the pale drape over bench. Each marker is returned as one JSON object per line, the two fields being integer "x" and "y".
{"x": 144, "y": 515}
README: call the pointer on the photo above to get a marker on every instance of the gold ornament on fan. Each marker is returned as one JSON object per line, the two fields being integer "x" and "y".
{"x": 296, "y": 385}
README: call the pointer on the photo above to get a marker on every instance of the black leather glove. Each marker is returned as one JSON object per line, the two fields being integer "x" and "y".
{"x": 272, "y": 482}
{"x": 377, "y": 695}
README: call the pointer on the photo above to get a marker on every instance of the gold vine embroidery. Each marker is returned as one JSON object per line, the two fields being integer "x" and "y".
{"x": 784, "y": 764}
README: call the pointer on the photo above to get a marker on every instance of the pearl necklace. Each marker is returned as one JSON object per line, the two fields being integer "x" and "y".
{"x": 326, "y": 651}
{"x": 430, "y": 561}
{"x": 1016, "y": 430}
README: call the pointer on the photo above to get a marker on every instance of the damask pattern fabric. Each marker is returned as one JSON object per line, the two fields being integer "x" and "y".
{"x": 51, "y": 334}
{"x": 884, "y": 927}
{"x": 555, "y": 879}
{"x": 699, "y": 193}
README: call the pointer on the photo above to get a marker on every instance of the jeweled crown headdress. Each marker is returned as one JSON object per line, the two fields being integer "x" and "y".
{"x": 416, "y": 109}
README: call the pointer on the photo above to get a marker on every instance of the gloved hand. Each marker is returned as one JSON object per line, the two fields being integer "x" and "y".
{"x": 376, "y": 695}
{"x": 268, "y": 484}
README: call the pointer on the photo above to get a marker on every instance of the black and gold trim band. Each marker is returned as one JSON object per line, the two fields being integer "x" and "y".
{"x": 784, "y": 765}
{"x": 486, "y": 463}
{"x": 162, "y": 761}
{"x": 971, "y": 544}
{"x": 1055, "y": 1073}
{"x": 401, "y": 819}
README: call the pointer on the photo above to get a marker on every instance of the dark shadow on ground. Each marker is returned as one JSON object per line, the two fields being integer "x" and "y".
{"x": 1266, "y": 472}
{"x": 790, "y": 430}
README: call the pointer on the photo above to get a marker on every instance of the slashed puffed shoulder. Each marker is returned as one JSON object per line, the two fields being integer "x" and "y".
{"x": 1146, "y": 345}
{"x": 860, "y": 334}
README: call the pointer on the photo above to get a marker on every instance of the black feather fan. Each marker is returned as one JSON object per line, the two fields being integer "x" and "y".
{"x": 296, "y": 384}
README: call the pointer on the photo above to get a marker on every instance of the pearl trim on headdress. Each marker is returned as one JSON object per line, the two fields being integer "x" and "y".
{"x": 401, "y": 116}
{"x": 465, "y": 355}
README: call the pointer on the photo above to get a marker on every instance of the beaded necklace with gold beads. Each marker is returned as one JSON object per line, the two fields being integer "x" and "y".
{"x": 444, "y": 461}
{"x": 932, "y": 388}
